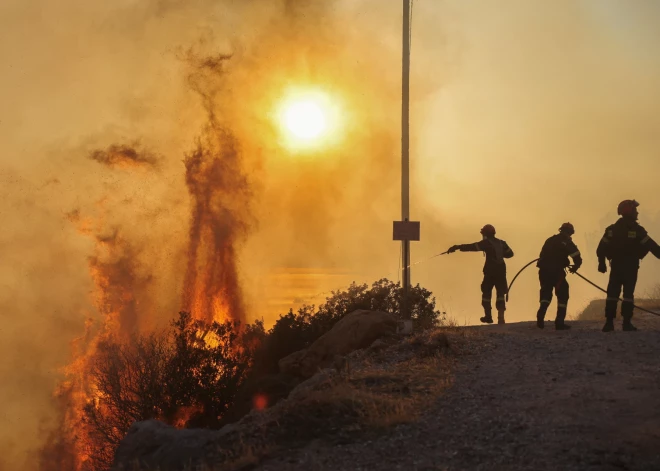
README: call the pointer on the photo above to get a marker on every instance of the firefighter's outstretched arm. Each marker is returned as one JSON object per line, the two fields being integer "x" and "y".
{"x": 476, "y": 247}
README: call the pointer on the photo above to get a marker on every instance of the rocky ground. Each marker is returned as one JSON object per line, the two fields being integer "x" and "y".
{"x": 526, "y": 400}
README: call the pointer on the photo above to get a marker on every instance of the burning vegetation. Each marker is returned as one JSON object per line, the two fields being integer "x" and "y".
{"x": 189, "y": 373}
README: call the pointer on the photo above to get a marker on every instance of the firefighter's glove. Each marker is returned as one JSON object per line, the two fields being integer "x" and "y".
{"x": 574, "y": 268}
{"x": 453, "y": 249}
{"x": 602, "y": 266}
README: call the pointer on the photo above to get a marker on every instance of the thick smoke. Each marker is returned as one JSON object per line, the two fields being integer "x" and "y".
{"x": 523, "y": 116}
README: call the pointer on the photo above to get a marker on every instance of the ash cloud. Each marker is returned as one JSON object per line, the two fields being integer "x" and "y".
{"x": 124, "y": 156}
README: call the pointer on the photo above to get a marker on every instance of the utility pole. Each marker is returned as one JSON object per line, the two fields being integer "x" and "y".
{"x": 405, "y": 230}
{"x": 405, "y": 141}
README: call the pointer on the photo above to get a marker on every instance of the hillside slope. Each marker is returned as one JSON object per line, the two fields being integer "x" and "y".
{"x": 532, "y": 399}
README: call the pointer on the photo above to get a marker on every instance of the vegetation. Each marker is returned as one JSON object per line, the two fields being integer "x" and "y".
{"x": 202, "y": 375}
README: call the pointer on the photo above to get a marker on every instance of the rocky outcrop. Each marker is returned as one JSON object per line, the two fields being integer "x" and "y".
{"x": 154, "y": 445}
{"x": 355, "y": 331}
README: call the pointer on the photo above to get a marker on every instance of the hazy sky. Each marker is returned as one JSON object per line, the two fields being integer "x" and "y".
{"x": 525, "y": 114}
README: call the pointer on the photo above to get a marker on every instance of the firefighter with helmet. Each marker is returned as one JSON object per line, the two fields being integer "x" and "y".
{"x": 624, "y": 244}
{"x": 496, "y": 251}
{"x": 552, "y": 264}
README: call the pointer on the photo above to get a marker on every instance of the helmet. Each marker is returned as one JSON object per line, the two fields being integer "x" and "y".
{"x": 627, "y": 208}
{"x": 568, "y": 228}
{"x": 488, "y": 230}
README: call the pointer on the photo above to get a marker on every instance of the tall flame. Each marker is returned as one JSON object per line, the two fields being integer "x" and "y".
{"x": 211, "y": 288}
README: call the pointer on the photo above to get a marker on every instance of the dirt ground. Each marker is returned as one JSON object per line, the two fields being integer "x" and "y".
{"x": 530, "y": 400}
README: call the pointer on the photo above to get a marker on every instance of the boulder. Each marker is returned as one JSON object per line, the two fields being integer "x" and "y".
{"x": 378, "y": 346}
{"x": 355, "y": 331}
{"x": 154, "y": 445}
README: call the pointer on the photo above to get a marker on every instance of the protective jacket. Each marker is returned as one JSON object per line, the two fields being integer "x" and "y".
{"x": 556, "y": 252}
{"x": 496, "y": 251}
{"x": 626, "y": 242}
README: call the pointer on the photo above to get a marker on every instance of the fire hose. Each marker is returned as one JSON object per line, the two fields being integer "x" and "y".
{"x": 517, "y": 275}
{"x": 584, "y": 278}
{"x": 605, "y": 291}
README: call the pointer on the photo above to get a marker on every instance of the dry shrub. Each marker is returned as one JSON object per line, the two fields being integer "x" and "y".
{"x": 186, "y": 376}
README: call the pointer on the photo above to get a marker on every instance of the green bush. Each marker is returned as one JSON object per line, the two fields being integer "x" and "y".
{"x": 295, "y": 331}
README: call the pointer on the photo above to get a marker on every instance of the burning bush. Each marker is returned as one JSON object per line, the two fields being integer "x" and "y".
{"x": 186, "y": 376}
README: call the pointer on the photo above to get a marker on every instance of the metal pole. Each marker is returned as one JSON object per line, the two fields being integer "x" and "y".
{"x": 405, "y": 142}
{"x": 405, "y": 155}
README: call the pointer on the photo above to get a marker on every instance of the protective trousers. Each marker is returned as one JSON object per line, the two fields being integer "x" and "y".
{"x": 497, "y": 280}
{"x": 553, "y": 280}
{"x": 622, "y": 275}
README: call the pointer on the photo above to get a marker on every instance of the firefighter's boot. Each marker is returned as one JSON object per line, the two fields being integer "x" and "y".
{"x": 628, "y": 326}
{"x": 539, "y": 322}
{"x": 500, "y": 316}
{"x": 540, "y": 315}
{"x": 488, "y": 317}
{"x": 561, "y": 315}
{"x": 609, "y": 325}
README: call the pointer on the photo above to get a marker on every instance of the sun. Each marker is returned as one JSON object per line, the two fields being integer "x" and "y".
{"x": 307, "y": 119}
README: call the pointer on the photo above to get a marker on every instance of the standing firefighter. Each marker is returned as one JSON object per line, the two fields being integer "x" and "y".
{"x": 496, "y": 251}
{"x": 624, "y": 244}
{"x": 553, "y": 261}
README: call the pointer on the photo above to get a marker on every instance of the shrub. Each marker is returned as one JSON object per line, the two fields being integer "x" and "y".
{"x": 295, "y": 331}
{"x": 197, "y": 374}
{"x": 186, "y": 376}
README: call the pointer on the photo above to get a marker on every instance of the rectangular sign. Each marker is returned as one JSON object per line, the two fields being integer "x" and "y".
{"x": 406, "y": 230}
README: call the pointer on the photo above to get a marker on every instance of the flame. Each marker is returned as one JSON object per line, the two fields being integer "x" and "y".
{"x": 219, "y": 221}
{"x": 72, "y": 444}
{"x": 184, "y": 414}
{"x": 210, "y": 292}
{"x": 68, "y": 446}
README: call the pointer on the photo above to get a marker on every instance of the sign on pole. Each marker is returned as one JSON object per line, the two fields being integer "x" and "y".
{"x": 406, "y": 230}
